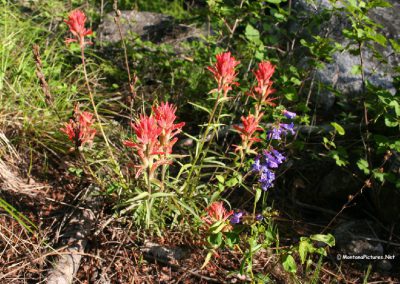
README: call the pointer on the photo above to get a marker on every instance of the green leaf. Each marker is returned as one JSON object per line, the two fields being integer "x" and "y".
{"x": 356, "y": 69}
{"x": 258, "y": 195}
{"x": 396, "y": 107}
{"x": 217, "y": 227}
{"x": 328, "y": 239}
{"x": 232, "y": 182}
{"x": 363, "y": 165}
{"x": 200, "y": 107}
{"x": 207, "y": 260}
{"x": 338, "y": 128}
{"x": 289, "y": 264}
{"x": 252, "y": 34}
{"x": 220, "y": 178}
{"x": 215, "y": 239}
{"x": 390, "y": 121}
{"x": 304, "y": 248}
{"x": 395, "y": 45}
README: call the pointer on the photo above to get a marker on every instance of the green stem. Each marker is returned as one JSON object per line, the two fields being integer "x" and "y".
{"x": 97, "y": 115}
{"x": 203, "y": 139}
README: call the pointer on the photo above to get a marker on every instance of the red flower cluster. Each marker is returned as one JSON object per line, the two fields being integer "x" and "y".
{"x": 155, "y": 138}
{"x": 264, "y": 84}
{"x": 216, "y": 212}
{"x": 165, "y": 116}
{"x": 250, "y": 126}
{"x": 79, "y": 129}
{"x": 224, "y": 71}
{"x": 76, "y": 23}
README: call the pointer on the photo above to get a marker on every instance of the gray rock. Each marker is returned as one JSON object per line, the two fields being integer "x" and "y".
{"x": 338, "y": 74}
{"x": 384, "y": 265}
{"x": 354, "y": 238}
{"x": 337, "y": 185}
{"x": 154, "y": 27}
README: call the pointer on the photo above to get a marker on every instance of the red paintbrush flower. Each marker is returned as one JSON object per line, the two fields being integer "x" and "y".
{"x": 76, "y": 23}
{"x": 224, "y": 71}
{"x": 216, "y": 212}
{"x": 79, "y": 129}
{"x": 264, "y": 84}
{"x": 147, "y": 145}
{"x": 165, "y": 116}
{"x": 250, "y": 126}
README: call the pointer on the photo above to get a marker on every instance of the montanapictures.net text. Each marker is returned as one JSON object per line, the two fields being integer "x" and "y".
{"x": 367, "y": 257}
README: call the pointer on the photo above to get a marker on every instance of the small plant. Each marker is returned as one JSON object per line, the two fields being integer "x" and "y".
{"x": 80, "y": 129}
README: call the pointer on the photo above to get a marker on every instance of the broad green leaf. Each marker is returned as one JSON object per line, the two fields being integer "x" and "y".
{"x": 396, "y": 107}
{"x": 232, "y": 182}
{"x": 363, "y": 165}
{"x": 304, "y": 248}
{"x": 338, "y": 128}
{"x": 328, "y": 239}
{"x": 215, "y": 239}
{"x": 289, "y": 264}
{"x": 252, "y": 34}
{"x": 220, "y": 178}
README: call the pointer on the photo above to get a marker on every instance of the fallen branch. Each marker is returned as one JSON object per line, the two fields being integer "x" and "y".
{"x": 75, "y": 238}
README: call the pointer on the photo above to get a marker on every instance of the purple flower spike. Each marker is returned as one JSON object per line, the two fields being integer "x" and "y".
{"x": 288, "y": 127}
{"x": 279, "y": 157}
{"x": 267, "y": 178}
{"x": 275, "y": 133}
{"x": 271, "y": 161}
{"x": 289, "y": 114}
{"x": 259, "y": 217}
{"x": 256, "y": 165}
{"x": 236, "y": 218}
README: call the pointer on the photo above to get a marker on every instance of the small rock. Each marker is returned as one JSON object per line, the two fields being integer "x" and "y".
{"x": 384, "y": 265}
{"x": 352, "y": 238}
{"x": 154, "y": 27}
{"x": 338, "y": 74}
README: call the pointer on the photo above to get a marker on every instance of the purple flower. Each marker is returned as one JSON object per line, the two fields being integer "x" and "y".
{"x": 236, "y": 218}
{"x": 270, "y": 160}
{"x": 267, "y": 178}
{"x": 289, "y": 114}
{"x": 279, "y": 157}
{"x": 259, "y": 217}
{"x": 288, "y": 127}
{"x": 263, "y": 164}
{"x": 256, "y": 165}
{"x": 275, "y": 133}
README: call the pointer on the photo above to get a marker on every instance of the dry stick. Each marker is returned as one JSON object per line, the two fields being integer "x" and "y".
{"x": 39, "y": 73}
{"x": 367, "y": 184}
{"x": 118, "y": 23}
{"x": 79, "y": 228}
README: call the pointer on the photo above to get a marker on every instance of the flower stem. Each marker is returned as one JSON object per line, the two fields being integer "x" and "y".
{"x": 118, "y": 170}
{"x": 203, "y": 139}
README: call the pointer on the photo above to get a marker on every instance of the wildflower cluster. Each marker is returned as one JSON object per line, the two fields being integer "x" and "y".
{"x": 260, "y": 93}
{"x": 264, "y": 164}
{"x": 76, "y": 23}
{"x": 224, "y": 72}
{"x": 218, "y": 215}
{"x": 250, "y": 126}
{"x": 263, "y": 90}
{"x": 241, "y": 218}
{"x": 80, "y": 129}
{"x": 155, "y": 137}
